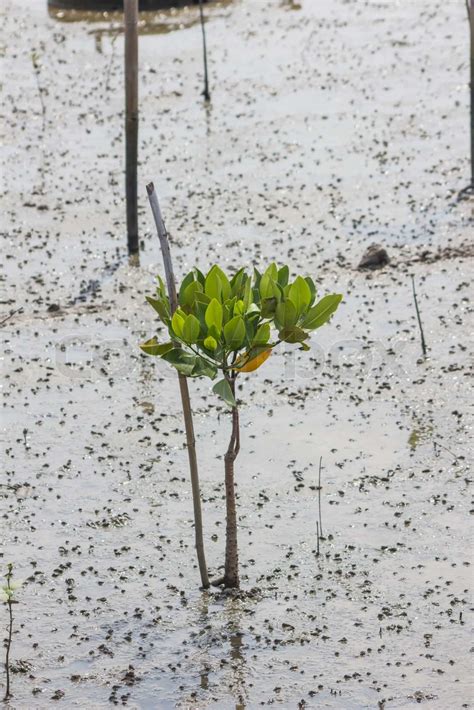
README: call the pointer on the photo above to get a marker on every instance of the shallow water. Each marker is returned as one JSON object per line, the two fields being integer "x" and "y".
{"x": 332, "y": 125}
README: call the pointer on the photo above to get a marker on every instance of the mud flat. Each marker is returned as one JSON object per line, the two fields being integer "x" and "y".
{"x": 333, "y": 125}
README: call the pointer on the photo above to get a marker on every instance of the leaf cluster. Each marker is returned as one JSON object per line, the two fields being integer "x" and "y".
{"x": 231, "y": 324}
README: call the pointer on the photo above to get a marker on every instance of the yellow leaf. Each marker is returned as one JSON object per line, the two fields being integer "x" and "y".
{"x": 255, "y": 362}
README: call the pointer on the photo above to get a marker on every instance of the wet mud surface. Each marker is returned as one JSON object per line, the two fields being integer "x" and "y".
{"x": 333, "y": 125}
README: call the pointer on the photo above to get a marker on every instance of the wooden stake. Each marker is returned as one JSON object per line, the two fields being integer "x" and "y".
{"x": 469, "y": 190}
{"x": 183, "y": 386}
{"x": 423, "y": 344}
{"x": 470, "y": 14}
{"x": 206, "y": 94}
{"x": 131, "y": 121}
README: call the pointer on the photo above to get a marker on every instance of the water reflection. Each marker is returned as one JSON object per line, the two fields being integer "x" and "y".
{"x": 171, "y": 16}
{"x": 75, "y": 10}
{"x": 421, "y": 433}
{"x": 221, "y": 644}
{"x": 238, "y": 665}
{"x": 179, "y": 17}
{"x": 150, "y": 23}
{"x": 291, "y": 4}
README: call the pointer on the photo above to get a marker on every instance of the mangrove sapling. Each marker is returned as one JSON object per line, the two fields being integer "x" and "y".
{"x": 230, "y": 326}
{"x": 7, "y": 596}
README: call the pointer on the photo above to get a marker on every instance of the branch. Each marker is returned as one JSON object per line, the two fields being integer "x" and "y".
{"x": 7, "y": 318}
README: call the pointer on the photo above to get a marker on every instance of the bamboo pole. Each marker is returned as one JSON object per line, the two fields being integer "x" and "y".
{"x": 131, "y": 121}
{"x": 469, "y": 190}
{"x": 183, "y": 386}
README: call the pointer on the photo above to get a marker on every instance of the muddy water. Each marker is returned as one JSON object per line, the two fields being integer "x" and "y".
{"x": 332, "y": 125}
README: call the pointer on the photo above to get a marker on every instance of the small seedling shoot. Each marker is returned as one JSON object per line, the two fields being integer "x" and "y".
{"x": 7, "y": 593}
{"x": 227, "y": 327}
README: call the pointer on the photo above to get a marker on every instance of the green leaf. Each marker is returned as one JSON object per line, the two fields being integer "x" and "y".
{"x": 322, "y": 311}
{"x": 225, "y": 283}
{"x": 300, "y": 295}
{"x": 181, "y": 360}
{"x": 283, "y": 276}
{"x": 237, "y": 283}
{"x": 312, "y": 288}
{"x": 213, "y": 287}
{"x": 293, "y": 334}
{"x": 162, "y": 307}
{"x": 153, "y": 347}
{"x": 248, "y": 294}
{"x": 217, "y": 284}
{"x": 212, "y": 331}
{"x": 262, "y": 336}
{"x": 234, "y": 333}
{"x": 202, "y": 368}
{"x": 188, "y": 279}
{"x": 223, "y": 390}
{"x": 201, "y": 297}
{"x": 237, "y": 278}
{"x": 161, "y": 288}
{"x": 256, "y": 277}
{"x": 200, "y": 276}
{"x": 226, "y": 314}
{"x": 272, "y": 272}
{"x": 214, "y": 316}
{"x": 250, "y": 329}
{"x": 239, "y": 308}
{"x": 210, "y": 343}
{"x": 269, "y": 307}
{"x": 199, "y": 311}
{"x": 286, "y": 315}
{"x": 188, "y": 296}
{"x": 191, "y": 329}
{"x": 253, "y": 309}
{"x": 269, "y": 288}
{"x": 177, "y": 323}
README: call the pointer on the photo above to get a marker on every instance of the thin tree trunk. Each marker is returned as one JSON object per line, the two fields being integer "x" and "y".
{"x": 131, "y": 121}
{"x": 231, "y": 570}
{"x": 7, "y": 654}
{"x": 8, "y": 640}
{"x": 183, "y": 387}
